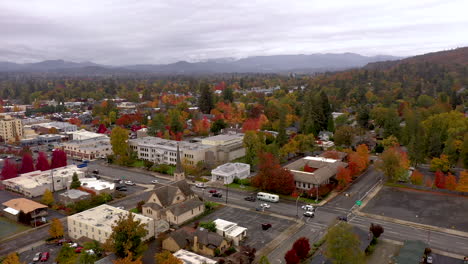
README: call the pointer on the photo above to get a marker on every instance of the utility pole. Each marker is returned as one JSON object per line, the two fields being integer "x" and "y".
{"x": 297, "y": 207}
{"x": 227, "y": 193}
{"x": 52, "y": 176}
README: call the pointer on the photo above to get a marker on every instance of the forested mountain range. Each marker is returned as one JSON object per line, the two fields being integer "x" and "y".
{"x": 261, "y": 64}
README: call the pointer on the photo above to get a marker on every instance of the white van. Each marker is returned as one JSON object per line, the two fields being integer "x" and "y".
{"x": 268, "y": 197}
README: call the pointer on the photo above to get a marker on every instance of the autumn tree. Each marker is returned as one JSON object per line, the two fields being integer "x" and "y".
{"x": 390, "y": 142}
{"x": 264, "y": 260}
{"x": 439, "y": 180}
{"x": 462, "y": 185}
{"x": 302, "y": 247}
{"x": 47, "y": 198}
{"x": 27, "y": 163}
{"x": 363, "y": 152}
{"x": 394, "y": 164}
{"x": 127, "y": 237}
{"x": 291, "y": 257}
{"x": 12, "y": 258}
{"x": 440, "y": 164}
{"x": 344, "y": 177}
{"x": 130, "y": 260}
{"x": 376, "y": 230}
{"x": 272, "y": 177}
{"x": 252, "y": 144}
{"x": 344, "y": 136}
{"x": 56, "y": 228}
{"x": 166, "y": 257}
{"x": 9, "y": 170}
{"x": 75, "y": 184}
{"x": 102, "y": 129}
{"x": 118, "y": 139}
{"x": 342, "y": 245}
{"x": 205, "y": 101}
{"x": 59, "y": 159}
{"x": 218, "y": 125}
{"x": 450, "y": 182}
{"x": 417, "y": 178}
{"x": 42, "y": 162}
{"x": 331, "y": 154}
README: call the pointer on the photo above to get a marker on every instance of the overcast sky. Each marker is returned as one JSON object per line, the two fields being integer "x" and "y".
{"x": 154, "y": 31}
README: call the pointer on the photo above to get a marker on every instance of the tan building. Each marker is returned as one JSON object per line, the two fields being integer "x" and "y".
{"x": 31, "y": 209}
{"x": 228, "y": 147}
{"x": 89, "y": 148}
{"x": 96, "y": 223}
{"x": 11, "y": 129}
{"x": 200, "y": 241}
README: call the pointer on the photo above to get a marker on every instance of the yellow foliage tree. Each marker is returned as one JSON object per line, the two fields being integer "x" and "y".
{"x": 48, "y": 198}
{"x": 12, "y": 258}
{"x": 56, "y": 228}
{"x": 128, "y": 260}
{"x": 462, "y": 185}
{"x": 166, "y": 257}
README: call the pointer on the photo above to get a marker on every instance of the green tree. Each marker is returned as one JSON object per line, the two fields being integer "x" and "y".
{"x": 264, "y": 260}
{"x": 118, "y": 139}
{"x": 218, "y": 125}
{"x": 88, "y": 257}
{"x": 464, "y": 151}
{"x": 75, "y": 184}
{"x": 344, "y": 136}
{"x": 47, "y": 198}
{"x": 282, "y": 137}
{"x": 205, "y": 101}
{"x": 342, "y": 245}
{"x": 228, "y": 94}
{"x": 56, "y": 228}
{"x": 210, "y": 226}
{"x": 112, "y": 117}
{"x": 252, "y": 146}
{"x": 176, "y": 124}
{"x": 157, "y": 124}
{"x": 166, "y": 257}
{"x": 66, "y": 255}
{"x": 394, "y": 164}
{"x": 127, "y": 237}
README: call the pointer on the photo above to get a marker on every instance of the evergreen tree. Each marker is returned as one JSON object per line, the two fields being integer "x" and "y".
{"x": 75, "y": 184}
{"x": 282, "y": 137}
{"x": 228, "y": 94}
{"x": 205, "y": 101}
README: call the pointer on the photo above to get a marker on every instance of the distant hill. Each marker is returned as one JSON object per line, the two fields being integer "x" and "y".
{"x": 260, "y": 64}
{"x": 448, "y": 57}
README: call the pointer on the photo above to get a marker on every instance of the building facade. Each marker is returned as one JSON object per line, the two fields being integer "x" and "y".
{"x": 31, "y": 209}
{"x": 96, "y": 223}
{"x": 88, "y": 148}
{"x": 34, "y": 184}
{"x": 228, "y": 147}
{"x": 11, "y": 129}
{"x": 229, "y": 171}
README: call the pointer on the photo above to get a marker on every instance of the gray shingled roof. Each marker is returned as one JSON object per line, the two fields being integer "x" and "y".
{"x": 325, "y": 170}
{"x": 181, "y": 208}
{"x": 208, "y": 238}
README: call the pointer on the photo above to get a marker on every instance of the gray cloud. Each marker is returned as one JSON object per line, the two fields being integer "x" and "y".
{"x": 151, "y": 31}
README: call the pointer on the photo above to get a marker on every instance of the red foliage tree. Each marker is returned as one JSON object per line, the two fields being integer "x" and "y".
{"x": 291, "y": 257}
{"x": 309, "y": 169}
{"x": 272, "y": 177}
{"x": 102, "y": 129}
{"x": 302, "y": 247}
{"x": 59, "y": 159}
{"x": 343, "y": 176}
{"x": 9, "y": 170}
{"x": 450, "y": 182}
{"x": 331, "y": 154}
{"x": 251, "y": 124}
{"x": 440, "y": 180}
{"x": 27, "y": 163}
{"x": 42, "y": 162}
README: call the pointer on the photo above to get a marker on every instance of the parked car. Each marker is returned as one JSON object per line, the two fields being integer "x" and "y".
{"x": 265, "y": 205}
{"x": 121, "y": 188}
{"x": 78, "y": 249}
{"x": 342, "y": 218}
{"x": 90, "y": 251}
{"x": 250, "y": 198}
{"x": 219, "y": 195}
{"x": 309, "y": 214}
{"x": 154, "y": 181}
{"x": 73, "y": 245}
{"x": 212, "y": 191}
{"x": 129, "y": 183}
{"x": 308, "y": 207}
{"x": 429, "y": 260}
{"x": 45, "y": 256}
{"x": 266, "y": 226}
{"x": 96, "y": 171}
{"x": 200, "y": 185}
{"x": 37, "y": 257}
{"x": 63, "y": 240}
{"x": 118, "y": 181}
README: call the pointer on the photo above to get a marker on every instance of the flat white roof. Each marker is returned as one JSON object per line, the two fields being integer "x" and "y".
{"x": 96, "y": 184}
{"x": 321, "y": 159}
{"x": 223, "y": 224}
{"x": 191, "y": 258}
{"x": 11, "y": 211}
{"x": 237, "y": 230}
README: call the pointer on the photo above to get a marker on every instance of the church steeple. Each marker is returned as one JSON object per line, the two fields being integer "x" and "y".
{"x": 179, "y": 173}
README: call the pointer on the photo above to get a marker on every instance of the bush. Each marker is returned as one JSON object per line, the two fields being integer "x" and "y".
{"x": 210, "y": 226}
{"x": 230, "y": 251}
{"x": 217, "y": 252}
{"x": 369, "y": 250}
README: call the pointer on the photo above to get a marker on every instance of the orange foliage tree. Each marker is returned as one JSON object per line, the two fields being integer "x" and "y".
{"x": 450, "y": 182}
{"x": 462, "y": 185}
{"x": 343, "y": 176}
{"x": 417, "y": 178}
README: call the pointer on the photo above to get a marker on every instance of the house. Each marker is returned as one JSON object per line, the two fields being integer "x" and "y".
{"x": 32, "y": 210}
{"x": 325, "y": 135}
{"x": 34, "y": 184}
{"x": 311, "y": 172}
{"x": 197, "y": 240}
{"x": 191, "y": 258}
{"x": 96, "y": 223}
{"x": 229, "y": 171}
{"x": 72, "y": 196}
{"x": 231, "y": 231}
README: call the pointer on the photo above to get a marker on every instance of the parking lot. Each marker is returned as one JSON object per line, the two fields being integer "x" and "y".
{"x": 27, "y": 256}
{"x": 256, "y": 237}
{"x": 420, "y": 207}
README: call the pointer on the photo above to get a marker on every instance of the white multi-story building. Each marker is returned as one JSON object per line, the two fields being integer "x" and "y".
{"x": 164, "y": 151}
{"x": 88, "y": 145}
{"x": 34, "y": 184}
{"x": 96, "y": 223}
{"x": 229, "y": 171}
{"x": 11, "y": 128}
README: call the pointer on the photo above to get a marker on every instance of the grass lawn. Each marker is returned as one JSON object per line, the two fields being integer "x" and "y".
{"x": 134, "y": 210}
{"x": 243, "y": 187}
{"x": 138, "y": 164}
{"x": 8, "y": 227}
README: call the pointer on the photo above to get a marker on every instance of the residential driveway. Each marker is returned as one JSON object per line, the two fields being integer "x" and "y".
{"x": 256, "y": 237}
{"x": 428, "y": 208}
